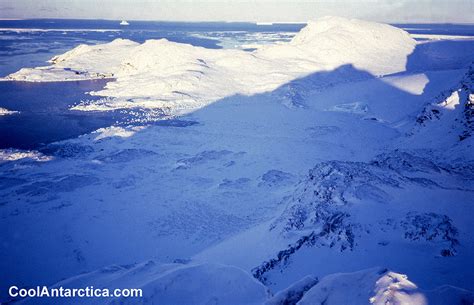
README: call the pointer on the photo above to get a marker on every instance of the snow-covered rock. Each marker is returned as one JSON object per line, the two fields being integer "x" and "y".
{"x": 379, "y": 286}
{"x": 452, "y": 113}
{"x": 323, "y": 211}
{"x": 8, "y": 155}
{"x": 431, "y": 227}
{"x": 82, "y": 62}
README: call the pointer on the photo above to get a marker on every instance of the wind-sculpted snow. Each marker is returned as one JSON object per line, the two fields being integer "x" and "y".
{"x": 174, "y": 77}
{"x": 200, "y": 222}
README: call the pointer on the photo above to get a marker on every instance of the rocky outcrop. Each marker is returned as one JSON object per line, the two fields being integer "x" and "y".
{"x": 453, "y": 108}
{"x": 431, "y": 227}
{"x": 319, "y": 213}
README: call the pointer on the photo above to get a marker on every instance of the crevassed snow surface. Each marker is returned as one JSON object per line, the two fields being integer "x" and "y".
{"x": 295, "y": 170}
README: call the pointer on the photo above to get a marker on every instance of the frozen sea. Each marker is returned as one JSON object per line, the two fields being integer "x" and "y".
{"x": 43, "y": 108}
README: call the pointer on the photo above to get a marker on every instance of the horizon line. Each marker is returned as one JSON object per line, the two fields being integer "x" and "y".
{"x": 230, "y": 21}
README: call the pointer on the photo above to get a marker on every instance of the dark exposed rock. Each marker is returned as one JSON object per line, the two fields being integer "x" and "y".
{"x": 431, "y": 227}
{"x": 67, "y": 150}
{"x": 275, "y": 178}
{"x": 401, "y": 161}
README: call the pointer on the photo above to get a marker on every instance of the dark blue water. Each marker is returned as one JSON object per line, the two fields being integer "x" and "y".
{"x": 438, "y": 28}
{"x": 44, "y": 114}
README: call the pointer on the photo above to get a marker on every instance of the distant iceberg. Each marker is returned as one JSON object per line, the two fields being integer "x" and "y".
{"x": 4, "y": 111}
{"x": 124, "y": 22}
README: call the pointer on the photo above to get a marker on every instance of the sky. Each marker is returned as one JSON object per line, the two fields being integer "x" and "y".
{"x": 423, "y": 11}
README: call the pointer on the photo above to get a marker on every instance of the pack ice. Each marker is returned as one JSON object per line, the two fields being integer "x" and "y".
{"x": 290, "y": 172}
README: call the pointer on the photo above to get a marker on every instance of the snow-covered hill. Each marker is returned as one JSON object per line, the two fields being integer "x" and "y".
{"x": 178, "y": 77}
{"x": 345, "y": 149}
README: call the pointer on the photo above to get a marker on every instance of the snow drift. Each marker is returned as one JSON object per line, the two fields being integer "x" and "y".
{"x": 176, "y": 77}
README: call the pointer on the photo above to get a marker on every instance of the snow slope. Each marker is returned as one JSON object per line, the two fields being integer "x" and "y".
{"x": 167, "y": 284}
{"x": 288, "y": 162}
{"x": 333, "y": 41}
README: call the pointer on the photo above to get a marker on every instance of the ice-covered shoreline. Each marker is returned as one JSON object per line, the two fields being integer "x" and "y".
{"x": 179, "y": 77}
